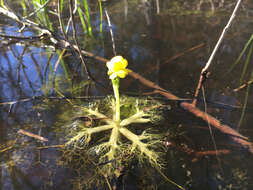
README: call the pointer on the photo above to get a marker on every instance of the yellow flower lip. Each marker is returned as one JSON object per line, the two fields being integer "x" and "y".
{"x": 117, "y": 67}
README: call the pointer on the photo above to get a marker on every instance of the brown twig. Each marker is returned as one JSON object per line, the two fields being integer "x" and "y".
{"x": 237, "y": 137}
{"x": 198, "y": 154}
{"x": 194, "y": 102}
{"x": 211, "y": 152}
{"x": 21, "y": 131}
{"x": 184, "y": 52}
{"x": 176, "y": 56}
{"x": 243, "y": 86}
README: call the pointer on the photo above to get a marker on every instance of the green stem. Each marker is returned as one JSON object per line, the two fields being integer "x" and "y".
{"x": 115, "y": 84}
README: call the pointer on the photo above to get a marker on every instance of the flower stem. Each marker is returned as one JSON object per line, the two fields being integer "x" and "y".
{"x": 115, "y": 84}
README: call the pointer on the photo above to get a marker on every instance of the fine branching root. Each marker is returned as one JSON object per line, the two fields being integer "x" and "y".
{"x": 111, "y": 145}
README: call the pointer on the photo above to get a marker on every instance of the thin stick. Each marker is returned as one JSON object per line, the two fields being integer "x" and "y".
{"x": 197, "y": 154}
{"x": 52, "y": 146}
{"x": 111, "y": 32}
{"x": 204, "y": 70}
{"x": 243, "y": 86}
{"x": 8, "y": 148}
{"x": 58, "y": 60}
{"x": 168, "y": 180}
{"x": 75, "y": 40}
{"x": 16, "y": 101}
{"x": 184, "y": 52}
{"x": 39, "y": 37}
{"x": 176, "y": 56}
{"x": 21, "y": 131}
{"x": 37, "y": 10}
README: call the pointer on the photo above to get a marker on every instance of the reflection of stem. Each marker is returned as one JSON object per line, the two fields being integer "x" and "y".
{"x": 111, "y": 32}
{"x": 75, "y": 40}
{"x": 60, "y": 20}
{"x": 157, "y": 7}
{"x": 125, "y": 9}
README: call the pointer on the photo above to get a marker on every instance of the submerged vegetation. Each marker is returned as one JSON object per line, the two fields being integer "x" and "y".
{"x": 111, "y": 145}
{"x": 112, "y": 141}
{"x": 116, "y": 119}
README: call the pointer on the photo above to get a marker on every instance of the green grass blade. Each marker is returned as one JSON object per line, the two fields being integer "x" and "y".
{"x": 241, "y": 54}
{"x": 246, "y": 64}
{"x": 245, "y": 103}
{"x": 3, "y": 5}
{"x": 61, "y": 5}
{"x": 87, "y": 16}
{"x": 101, "y": 16}
{"x": 82, "y": 19}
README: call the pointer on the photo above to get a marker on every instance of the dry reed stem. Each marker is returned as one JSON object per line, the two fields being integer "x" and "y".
{"x": 204, "y": 70}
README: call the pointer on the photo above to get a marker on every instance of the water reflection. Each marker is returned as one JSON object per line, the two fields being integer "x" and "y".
{"x": 149, "y": 34}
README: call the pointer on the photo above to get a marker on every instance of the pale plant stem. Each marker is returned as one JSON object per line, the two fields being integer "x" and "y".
{"x": 204, "y": 70}
{"x": 99, "y": 115}
{"x": 136, "y": 141}
{"x": 116, "y": 94}
{"x": 136, "y": 118}
{"x": 222, "y": 36}
{"x": 99, "y": 129}
{"x": 113, "y": 142}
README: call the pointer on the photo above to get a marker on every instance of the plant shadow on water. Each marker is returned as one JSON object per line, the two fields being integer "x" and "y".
{"x": 164, "y": 41}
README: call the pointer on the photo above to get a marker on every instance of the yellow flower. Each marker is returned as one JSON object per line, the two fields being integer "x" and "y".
{"x": 117, "y": 67}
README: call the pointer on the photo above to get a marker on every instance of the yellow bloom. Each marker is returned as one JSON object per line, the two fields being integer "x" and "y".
{"x": 117, "y": 67}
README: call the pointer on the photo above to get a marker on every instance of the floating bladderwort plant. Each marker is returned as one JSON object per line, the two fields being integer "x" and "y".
{"x": 116, "y": 70}
{"x": 110, "y": 138}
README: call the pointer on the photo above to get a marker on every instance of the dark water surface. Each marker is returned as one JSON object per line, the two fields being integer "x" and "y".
{"x": 168, "y": 42}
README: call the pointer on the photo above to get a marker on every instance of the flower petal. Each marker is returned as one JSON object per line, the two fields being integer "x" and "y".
{"x": 117, "y": 59}
{"x": 113, "y": 76}
{"x": 124, "y": 63}
{"x": 117, "y": 67}
{"x": 121, "y": 73}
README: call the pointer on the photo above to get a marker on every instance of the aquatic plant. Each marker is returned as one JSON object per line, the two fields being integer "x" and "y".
{"x": 110, "y": 135}
{"x": 247, "y": 52}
